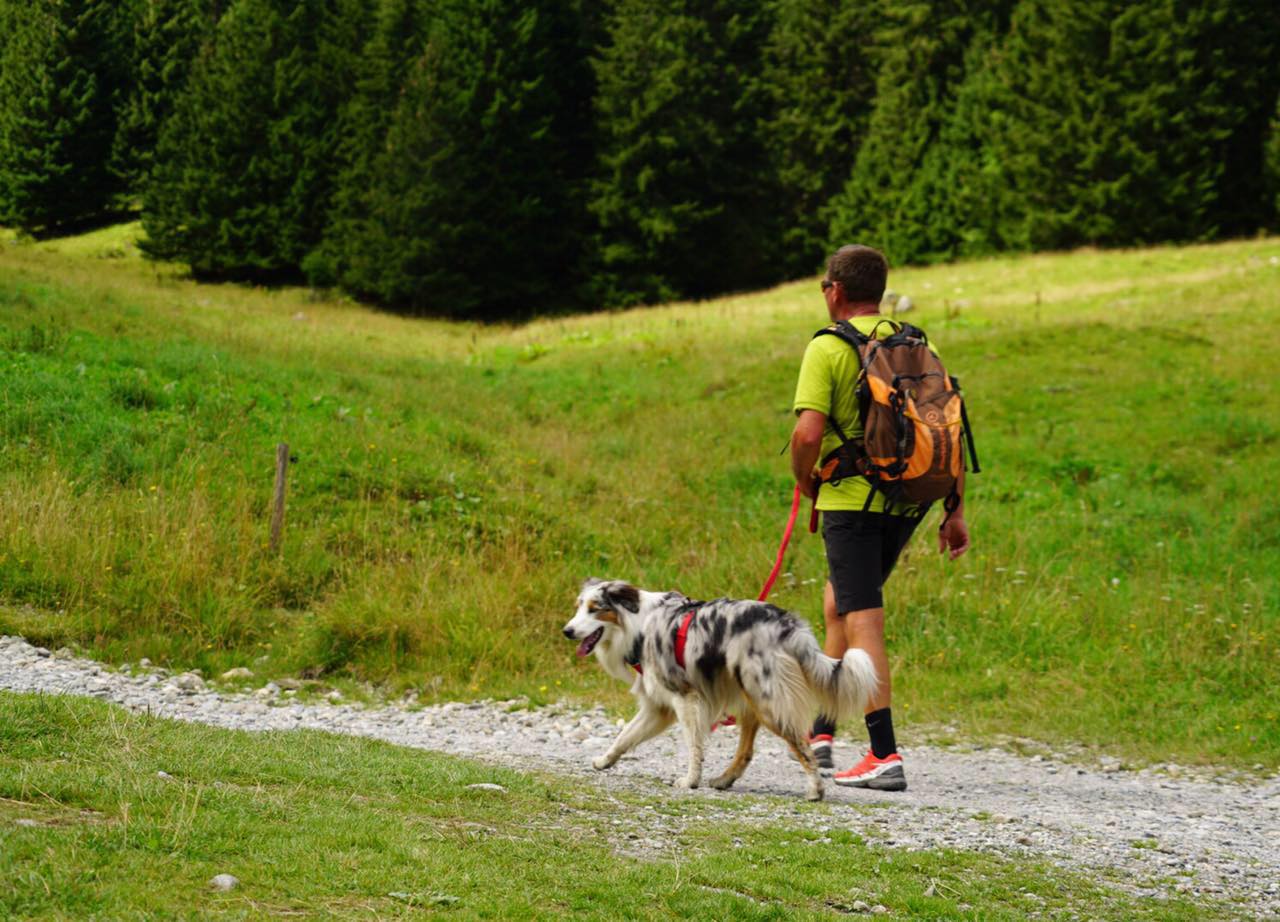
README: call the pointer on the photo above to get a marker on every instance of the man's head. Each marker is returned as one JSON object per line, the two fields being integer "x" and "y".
{"x": 855, "y": 276}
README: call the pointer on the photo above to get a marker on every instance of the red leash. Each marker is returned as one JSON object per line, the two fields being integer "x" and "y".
{"x": 786, "y": 539}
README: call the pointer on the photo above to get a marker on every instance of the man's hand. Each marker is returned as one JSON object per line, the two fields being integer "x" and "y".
{"x": 806, "y": 445}
{"x": 953, "y": 536}
{"x": 810, "y": 487}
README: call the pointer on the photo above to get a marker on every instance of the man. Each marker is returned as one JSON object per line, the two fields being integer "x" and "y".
{"x": 862, "y": 546}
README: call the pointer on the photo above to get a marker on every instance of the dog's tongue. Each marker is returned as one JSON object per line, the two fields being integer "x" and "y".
{"x": 589, "y": 643}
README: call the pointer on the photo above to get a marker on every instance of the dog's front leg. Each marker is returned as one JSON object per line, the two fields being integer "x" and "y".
{"x": 696, "y": 724}
{"x": 649, "y": 721}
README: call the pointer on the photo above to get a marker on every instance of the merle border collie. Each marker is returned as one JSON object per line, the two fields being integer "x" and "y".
{"x": 695, "y": 661}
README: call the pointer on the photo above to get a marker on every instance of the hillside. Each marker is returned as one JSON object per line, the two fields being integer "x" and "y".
{"x": 452, "y": 484}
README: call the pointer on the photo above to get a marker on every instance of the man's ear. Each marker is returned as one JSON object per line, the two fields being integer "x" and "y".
{"x": 622, "y": 595}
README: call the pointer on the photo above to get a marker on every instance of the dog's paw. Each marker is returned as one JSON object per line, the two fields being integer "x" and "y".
{"x": 600, "y": 763}
{"x": 815, "y": 792}
{"x": 723, "y": 783}
{"x": 686, "y": 783}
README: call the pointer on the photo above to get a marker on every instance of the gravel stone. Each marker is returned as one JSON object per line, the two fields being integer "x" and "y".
{"x": 1219, "y": 833}
{"x": 224, "y": 882}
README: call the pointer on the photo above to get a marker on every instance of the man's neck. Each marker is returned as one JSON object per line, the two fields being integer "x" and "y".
{"x": 863, "y": 309}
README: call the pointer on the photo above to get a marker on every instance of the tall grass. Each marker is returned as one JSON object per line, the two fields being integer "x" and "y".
{"x": 452, "y": 484}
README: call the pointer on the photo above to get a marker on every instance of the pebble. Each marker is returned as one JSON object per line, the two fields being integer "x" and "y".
{"x": 1086, "y": 817}
{"x": 487, "y": 786}
{"x": 224, "y": 882}
{"x": 239, "y": 672}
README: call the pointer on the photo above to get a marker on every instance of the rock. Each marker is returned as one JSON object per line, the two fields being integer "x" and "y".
{"x": 144, "y": 663}
{"x": 288, "y": 684}
{"x": 931, "y": 890}
{"x": 860, "y": 906}
{"x": 188, "y": 683}
{"x": 42, "y": 652}
{"x": 270, "y": 690}
{"x": 224, "y": 882}
{"x": 877, "y": 909}
{"x": 1001, "y": 818}
{"x": 1024, "y": 840}
{"x": 63, "y": 653}
{"x": 164, "y": 776}
{"x": 487, "y": 786}
{"x": 903, "y": 306}
{"x": 26, "y": 822}
{"x": 239, "y": 672}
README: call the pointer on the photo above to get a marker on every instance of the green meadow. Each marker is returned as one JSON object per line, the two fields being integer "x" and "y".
{"x": 452, "y": 484}
{"x": 108, "y": 815}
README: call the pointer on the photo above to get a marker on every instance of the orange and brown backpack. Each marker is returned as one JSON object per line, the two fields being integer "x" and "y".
{"x": 915, "y": 427}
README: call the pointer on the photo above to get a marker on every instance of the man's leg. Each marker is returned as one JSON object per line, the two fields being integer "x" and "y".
{"x": 865, "y": 629}
{"x": 834, "y": 645}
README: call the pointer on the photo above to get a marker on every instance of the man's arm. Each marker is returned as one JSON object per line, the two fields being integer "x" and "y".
{"x": 953, "y": 536}
{"x": 806, "y": 446}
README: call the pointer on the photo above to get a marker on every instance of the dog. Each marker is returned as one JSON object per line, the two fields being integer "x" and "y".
{"x": 695, "y": 661}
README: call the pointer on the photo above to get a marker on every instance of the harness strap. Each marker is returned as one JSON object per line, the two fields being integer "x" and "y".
{"x": 682, "y": 636}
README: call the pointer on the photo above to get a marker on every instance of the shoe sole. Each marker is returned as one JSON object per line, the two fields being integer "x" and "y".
{"x": 891, "y": 779}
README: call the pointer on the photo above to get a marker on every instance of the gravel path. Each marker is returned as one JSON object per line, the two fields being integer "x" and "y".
{"x": 1153, "y": 831}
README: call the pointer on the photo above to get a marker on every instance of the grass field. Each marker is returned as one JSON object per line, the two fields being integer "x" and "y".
{"x": 316, "y": 826}
{"x": 453, "y": 484}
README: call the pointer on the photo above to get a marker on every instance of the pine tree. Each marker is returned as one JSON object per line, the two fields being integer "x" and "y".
{"x": 244, "y": 167}
{"x": 59, "y": 82}
{"x": 1133, "y": 123}
{"x": 925, "y": 46}
{"x": 472, "y": 203}
{"x": 685, "y": 198}
{"x": 165, "y": 37}
{"x": 347, "y": 251}
{"x": 819, "y": 75}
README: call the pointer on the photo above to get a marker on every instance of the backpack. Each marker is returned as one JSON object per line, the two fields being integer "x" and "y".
{"x": 915, "y": 427}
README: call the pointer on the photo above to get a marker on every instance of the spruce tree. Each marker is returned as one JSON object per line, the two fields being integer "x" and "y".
{"x": 59, "y": 83}
{"x": 925, "y": 47}
{"x": 1133, "y": 123}
{"x": 165, "y": 37}
{"x": 819, "y": 76}
{"x": 245, "y": 165}
{"x": 685, "y": 198}
{"x": 471, "y": 204}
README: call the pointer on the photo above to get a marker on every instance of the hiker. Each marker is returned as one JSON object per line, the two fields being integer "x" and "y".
{"x": 864, "y": 530}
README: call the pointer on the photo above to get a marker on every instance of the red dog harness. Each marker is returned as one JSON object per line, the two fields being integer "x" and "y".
{"x": 682, "y": 636}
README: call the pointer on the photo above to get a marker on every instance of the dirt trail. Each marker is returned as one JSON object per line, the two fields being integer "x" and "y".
{"x": 1155, "y": 832}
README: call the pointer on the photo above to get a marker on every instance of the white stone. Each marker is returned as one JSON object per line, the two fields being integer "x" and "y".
{"x": 224, "y": 882}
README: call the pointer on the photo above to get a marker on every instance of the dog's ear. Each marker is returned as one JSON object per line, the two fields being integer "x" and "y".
{"x": 622, "y": 595}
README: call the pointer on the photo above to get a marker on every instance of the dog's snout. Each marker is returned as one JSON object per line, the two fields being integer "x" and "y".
{"x": 568, "y": 632}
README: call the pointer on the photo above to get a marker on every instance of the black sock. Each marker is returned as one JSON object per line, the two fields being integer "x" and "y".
{"x": 824, "y": 726}
{"x": 880, "y": 726}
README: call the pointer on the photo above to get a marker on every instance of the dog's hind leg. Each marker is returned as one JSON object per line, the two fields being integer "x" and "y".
{"x": 804, "y": 755}
{"x": 748, "y": 724}
{"x": 696, "y": 723}
{"x": 649, "y": 721}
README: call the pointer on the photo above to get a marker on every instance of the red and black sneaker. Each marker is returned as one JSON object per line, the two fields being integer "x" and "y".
{"x": 820, "y": 743}
{"x": 884, "y": 774}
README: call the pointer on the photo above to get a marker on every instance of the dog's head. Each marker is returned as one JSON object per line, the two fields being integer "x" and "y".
{"x": 603, "y": 605}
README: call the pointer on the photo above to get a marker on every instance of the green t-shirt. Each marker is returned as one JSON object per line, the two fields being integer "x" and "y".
{"x": 827, "y": 376}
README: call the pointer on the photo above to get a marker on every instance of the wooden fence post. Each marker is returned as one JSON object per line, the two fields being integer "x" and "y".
{"x": 277, "y": 513}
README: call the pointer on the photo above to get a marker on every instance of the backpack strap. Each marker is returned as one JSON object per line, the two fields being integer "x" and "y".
{"x": 968, "y": 430}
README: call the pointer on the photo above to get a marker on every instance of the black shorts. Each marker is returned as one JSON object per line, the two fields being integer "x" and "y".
{"x": 862, "y": 548}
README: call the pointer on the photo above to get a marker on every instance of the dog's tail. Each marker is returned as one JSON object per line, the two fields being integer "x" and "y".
{"x": 842, "y": 686}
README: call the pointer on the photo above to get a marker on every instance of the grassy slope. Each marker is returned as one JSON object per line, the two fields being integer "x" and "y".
{"x": 453, "y": 484}
{"x": 316, "y": 826}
